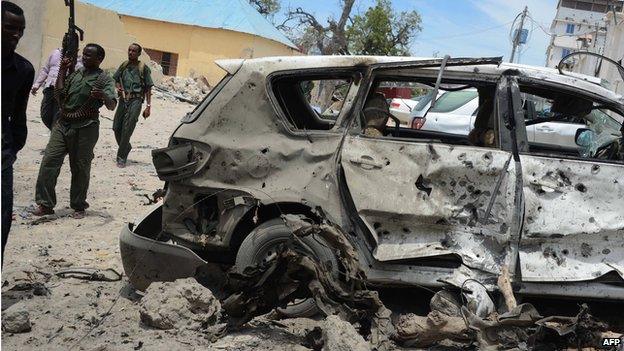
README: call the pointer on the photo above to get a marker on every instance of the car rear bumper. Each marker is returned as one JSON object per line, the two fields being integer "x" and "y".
{"x": 146, "y": 259}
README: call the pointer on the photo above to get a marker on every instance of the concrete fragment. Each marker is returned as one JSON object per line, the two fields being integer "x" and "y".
{"x": 445, "y": 302}
{"x": 181, "y": 304}
{"x": 339, "y": 335}
{"x": 16, "y": 319}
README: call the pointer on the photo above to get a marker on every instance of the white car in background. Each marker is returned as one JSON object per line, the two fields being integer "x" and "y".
{"x": 455, "y": 112}
{"x": 401, "y": 108}
{"x": 404, "y": 109}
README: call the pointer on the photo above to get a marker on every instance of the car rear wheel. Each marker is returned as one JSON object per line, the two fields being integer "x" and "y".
{"x": 262, "y": 244}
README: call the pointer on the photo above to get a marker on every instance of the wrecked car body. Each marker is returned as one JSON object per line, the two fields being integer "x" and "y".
{"x": 420, "y": 208}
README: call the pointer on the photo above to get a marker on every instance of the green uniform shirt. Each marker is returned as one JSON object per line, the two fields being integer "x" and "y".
{"x": 78, "y": 89}
{"x": 131, "y": 79}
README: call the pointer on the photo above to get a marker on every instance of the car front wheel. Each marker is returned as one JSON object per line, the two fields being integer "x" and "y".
{"x": 261, "y": 245}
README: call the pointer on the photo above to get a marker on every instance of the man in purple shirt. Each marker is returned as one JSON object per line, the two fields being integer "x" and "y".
{"x": 46, "y": 79}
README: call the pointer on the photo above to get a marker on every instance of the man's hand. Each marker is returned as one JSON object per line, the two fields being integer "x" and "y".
{"x": 97, "y": 94}
{"x": 147, "y": 112}
{"x": 34, "y": 90}
{"x": 66, "y": 62}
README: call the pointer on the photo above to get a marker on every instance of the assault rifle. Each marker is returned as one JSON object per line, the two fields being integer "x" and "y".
{"x": 71, "y": 38}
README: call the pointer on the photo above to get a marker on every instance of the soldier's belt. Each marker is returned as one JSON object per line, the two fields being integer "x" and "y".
{"x": 80, "y": 114}
{"x": 134, "y": 95}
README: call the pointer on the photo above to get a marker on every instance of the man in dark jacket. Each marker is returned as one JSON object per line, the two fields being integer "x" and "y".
{"x": 17, "y": 78}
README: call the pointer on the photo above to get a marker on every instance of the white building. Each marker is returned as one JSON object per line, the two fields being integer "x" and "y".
{"x": 580, "y": 25}
{"x": 614, "y": 49}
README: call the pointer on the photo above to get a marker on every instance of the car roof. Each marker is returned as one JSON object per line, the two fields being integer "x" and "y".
{"x": 273, "y": 64}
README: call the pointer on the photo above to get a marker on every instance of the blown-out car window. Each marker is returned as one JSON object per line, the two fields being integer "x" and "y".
{"x": 311, "y": 104}
{"x": 560, "y": 124}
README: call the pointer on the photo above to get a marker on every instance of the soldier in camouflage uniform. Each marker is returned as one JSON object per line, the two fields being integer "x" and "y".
{"x": 134, "y": 84}
{"x": 80, "y": 95}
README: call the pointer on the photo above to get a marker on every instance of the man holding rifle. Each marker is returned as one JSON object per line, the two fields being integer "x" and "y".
{"x": 80, "y": 95}
{"x": 134, "y": 84}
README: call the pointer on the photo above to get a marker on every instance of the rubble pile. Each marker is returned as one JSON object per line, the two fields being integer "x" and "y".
{"x": 187, "y": 88}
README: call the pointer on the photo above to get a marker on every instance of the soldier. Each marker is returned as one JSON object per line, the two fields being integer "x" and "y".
{"x": 17, "y": 78}
{"x": 80, "y": 96}
{"x": 134, "y": 84}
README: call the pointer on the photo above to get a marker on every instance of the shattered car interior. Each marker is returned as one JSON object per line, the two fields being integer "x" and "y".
{"x": 299, "y": 160}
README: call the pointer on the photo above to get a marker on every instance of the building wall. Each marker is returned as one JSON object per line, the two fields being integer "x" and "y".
{"x": 584, "y": 22}
{"x": 198, "y": 47}
{"x": 614, "y": 49}
{"x": 46, "y": 23}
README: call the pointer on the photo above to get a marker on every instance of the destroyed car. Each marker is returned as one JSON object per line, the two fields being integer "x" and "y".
{"x": 421, "y": 208}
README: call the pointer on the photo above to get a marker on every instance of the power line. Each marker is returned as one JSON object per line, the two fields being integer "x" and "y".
{"x": 540, "y": 26}
{"x": 471, "y": 33}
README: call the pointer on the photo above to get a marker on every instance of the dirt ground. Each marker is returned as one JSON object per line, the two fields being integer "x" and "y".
{"x": 69, "y": 316}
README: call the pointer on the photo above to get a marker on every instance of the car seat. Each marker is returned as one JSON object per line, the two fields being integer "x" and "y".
{"x": 376, "y": 114}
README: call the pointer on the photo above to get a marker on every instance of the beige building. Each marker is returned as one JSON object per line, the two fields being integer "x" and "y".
{"x": 46, "y": 22}
{"x": 186, "y": 50}
{"x": 184, "y": 37}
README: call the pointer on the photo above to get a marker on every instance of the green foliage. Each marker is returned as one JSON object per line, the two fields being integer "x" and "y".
{"x": 266, "y": 7}
{"x": 382, "y": 31}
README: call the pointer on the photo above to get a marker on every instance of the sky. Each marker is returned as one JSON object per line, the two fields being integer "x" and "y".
{"x": 461, "y": 27}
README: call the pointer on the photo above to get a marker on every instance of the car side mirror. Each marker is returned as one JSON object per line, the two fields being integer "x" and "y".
{"x": 584, "y": 136}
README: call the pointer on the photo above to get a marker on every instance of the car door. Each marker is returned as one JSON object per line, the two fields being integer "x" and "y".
{"x": 573, "y": 227}
{"x": 557, "y": 134}
{"x": 421, "y": 199}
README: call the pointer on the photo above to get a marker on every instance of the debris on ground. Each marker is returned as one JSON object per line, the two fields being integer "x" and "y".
{"x": 93, "y": 274}
{"x": 187, "y": 89}
{"x": 339, "y": 335}
{"x": 183, "y": 304}
{"x": 16, "y": 319}
{"x": 155, "y": 198}
{"x": 291, "y": 275}
{"x": 444, "y": 322}
{"x": 356, "y": 314}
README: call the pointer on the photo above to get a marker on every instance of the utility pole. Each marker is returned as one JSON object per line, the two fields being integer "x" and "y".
{"x": 516, "y": 39}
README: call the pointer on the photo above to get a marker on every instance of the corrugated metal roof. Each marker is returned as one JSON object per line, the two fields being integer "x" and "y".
{"x": 236, "y": 15}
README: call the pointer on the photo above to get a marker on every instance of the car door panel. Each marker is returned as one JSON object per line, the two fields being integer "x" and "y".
{"x": 556, "y": 134}
{"x": 421, "y": 199}
{"x": 574, "y": 219}
{"x": 449, "y": 123}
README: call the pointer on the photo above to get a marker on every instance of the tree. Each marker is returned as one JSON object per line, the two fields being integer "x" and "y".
{"x": 381, "y": 31}
{"x": 327, "y": 39}
{"x": 267, "y": 8}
